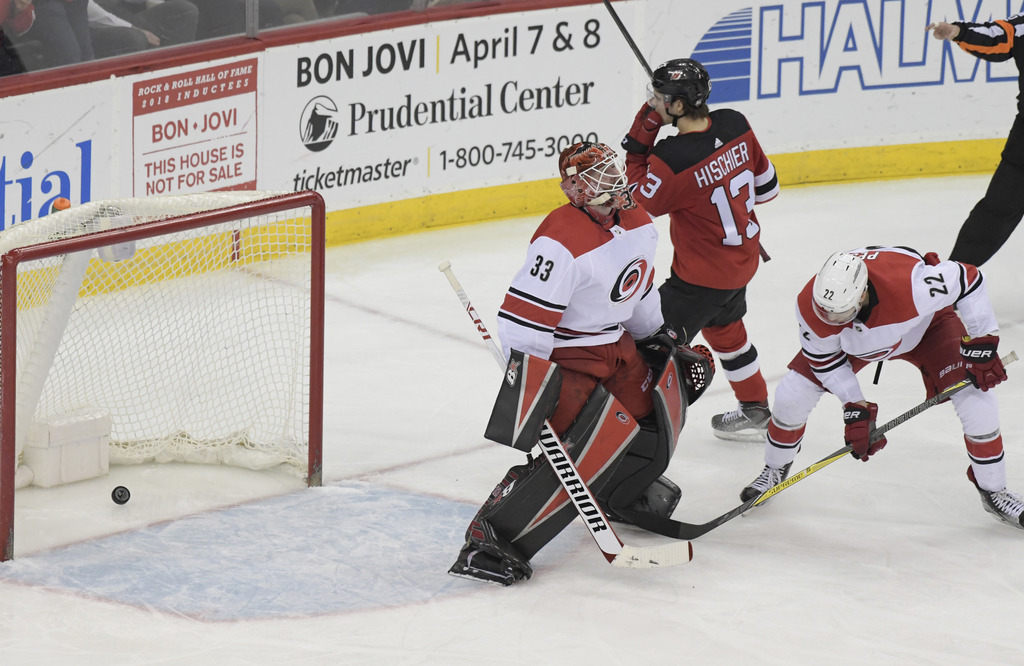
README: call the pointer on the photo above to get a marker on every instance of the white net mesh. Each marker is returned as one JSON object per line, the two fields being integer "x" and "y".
{"x": 196, "y": 342}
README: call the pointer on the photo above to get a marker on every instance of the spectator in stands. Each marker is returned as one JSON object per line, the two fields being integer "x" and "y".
{"x": 221, "y": 18}
{"x": 297, "y": 11}
{"x": 344, "y": 7}
{"x": 62, "y": 29}
{"x": 59, "y": 35}
{"x": 16, "y": 17}
{"x": 127, "y": 26}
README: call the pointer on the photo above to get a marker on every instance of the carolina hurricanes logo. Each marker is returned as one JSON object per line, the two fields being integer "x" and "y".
{"x": 630, "y": 280}
{"x": 512, "y": 373}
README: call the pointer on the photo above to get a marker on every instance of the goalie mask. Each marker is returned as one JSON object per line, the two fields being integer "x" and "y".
{"x": 593, "y": 175}
{"x": 839, "y": 288}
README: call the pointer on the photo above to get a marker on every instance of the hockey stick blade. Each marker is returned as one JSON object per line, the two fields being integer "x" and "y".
{"x": 595, "y": 520}
{"x": 651, "y": 557}
{"x": 680, "y": 530}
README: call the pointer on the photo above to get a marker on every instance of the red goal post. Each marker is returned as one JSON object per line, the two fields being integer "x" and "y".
{"x": 189, "y": 328}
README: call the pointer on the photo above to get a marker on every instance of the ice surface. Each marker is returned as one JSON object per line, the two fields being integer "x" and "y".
{"x": 889, "y": 562}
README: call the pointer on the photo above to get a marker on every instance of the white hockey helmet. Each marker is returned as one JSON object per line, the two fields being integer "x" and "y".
{"x": 839, "y": 288}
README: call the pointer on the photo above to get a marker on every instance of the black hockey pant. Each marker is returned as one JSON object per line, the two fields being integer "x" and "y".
{"x": 995, "y": 217}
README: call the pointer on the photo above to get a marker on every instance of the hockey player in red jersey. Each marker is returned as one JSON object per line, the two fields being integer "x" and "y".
{"x": 707, "y": 178}
{"x": 573, "y": 311}
{"x": 878, "y": 303}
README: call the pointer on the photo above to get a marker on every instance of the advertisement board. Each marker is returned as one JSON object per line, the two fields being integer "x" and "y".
{"x": 444, "y": 107}
{"x": 471, "y": 112}
{"x": 833, "y": 74}
{"x": 53, "y": 144}
{"x": 195, "y": 130}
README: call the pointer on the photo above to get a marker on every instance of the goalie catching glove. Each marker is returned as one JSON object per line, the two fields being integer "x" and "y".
{"x": 981, "y": 362}
{"x": 697, "y": 363}
{"x": 860, "y": 421}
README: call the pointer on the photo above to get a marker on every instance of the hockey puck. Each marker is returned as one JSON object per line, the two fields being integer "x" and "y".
{"x": 120, "y": 495}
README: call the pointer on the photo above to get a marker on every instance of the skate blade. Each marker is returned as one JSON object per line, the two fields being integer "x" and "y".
{"x": 757, "y": 436}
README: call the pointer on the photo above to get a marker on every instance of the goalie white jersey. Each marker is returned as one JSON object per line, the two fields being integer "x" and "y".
{"x": 904, "y": 293}
{"x": 582, "y": 284}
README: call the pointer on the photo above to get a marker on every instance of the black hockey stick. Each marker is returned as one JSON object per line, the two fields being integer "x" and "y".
{"x": 594, "y": 519}
{"x": 629, "y": 39}
{"x": 681, "y": 530}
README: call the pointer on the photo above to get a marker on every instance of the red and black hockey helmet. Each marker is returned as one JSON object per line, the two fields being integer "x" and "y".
{"x": 682, "y": 78}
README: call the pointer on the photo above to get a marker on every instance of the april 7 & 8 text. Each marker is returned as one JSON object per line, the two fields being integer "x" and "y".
{"x": 508, "y": 151}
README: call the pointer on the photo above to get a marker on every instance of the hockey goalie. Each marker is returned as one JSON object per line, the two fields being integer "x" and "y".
{"x": 589, "y": 354}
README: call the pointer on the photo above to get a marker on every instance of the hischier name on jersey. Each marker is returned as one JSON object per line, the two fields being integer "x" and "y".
{"x": 715, "y": 177}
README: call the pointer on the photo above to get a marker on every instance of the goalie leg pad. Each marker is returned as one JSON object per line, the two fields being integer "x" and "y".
{"x": 530, "y": 507}
{"x": 637, "y": 485}
{"x": 648, "y": 456}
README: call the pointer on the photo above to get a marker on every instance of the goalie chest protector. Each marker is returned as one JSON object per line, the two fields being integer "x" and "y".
{"x": 528, "y": 395}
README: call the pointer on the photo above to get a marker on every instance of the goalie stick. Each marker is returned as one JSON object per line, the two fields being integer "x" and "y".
{"x": 680, "y": 530}
{"x": 595, "y": 520}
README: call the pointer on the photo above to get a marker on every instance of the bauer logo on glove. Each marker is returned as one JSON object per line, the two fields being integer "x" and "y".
{"x": 982, "y": 364}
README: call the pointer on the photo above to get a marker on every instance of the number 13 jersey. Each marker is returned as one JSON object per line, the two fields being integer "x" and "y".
{"x": 708, "y": 182}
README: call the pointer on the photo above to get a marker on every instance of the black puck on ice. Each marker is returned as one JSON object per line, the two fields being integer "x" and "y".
{"x": 120, "y": 495}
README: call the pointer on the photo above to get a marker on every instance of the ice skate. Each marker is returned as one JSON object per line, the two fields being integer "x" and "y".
{"x": 475, "y": 563}
{"x": 769, "y": 477}
{"x": 747, "y": 423}
{"x": 489, "y": 557}
{"x": 1005, "y": 506}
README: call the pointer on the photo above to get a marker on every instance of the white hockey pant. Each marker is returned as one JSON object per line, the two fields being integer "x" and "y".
{"x": 978, "y": 411}
{"x": 979, "y": 414}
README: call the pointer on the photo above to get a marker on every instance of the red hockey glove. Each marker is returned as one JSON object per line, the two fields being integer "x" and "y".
{"x": 860, "y": 421}
{"x": 644, "y": 131}
{"x": 981, "y": 362}
{"x": 932, "y": 259}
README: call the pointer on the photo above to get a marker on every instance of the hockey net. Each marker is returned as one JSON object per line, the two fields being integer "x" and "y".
{"x": 194, "y": 322}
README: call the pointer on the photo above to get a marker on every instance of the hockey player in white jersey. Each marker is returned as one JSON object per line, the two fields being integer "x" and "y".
{"x": 583, "y": 315}
{"x": 879, "y": 303}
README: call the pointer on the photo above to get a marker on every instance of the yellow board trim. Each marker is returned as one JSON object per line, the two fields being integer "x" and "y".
{"x": 438, "y": 211}
{"x": 540, "y": 197}
{"x": 888, "y": 162}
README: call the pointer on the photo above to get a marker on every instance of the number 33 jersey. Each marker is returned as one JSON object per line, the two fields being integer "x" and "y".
{"x": 708, "y": 182}
{"x": 582, "y": 284}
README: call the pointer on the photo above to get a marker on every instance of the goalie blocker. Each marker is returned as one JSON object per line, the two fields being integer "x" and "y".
{"x": 620, "y": 459}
